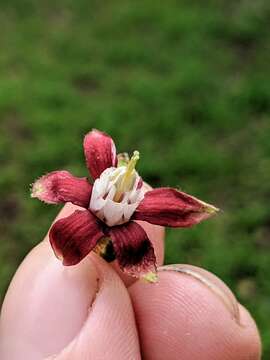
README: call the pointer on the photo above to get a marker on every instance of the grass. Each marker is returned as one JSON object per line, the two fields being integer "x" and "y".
{"x": 186, "y": 83}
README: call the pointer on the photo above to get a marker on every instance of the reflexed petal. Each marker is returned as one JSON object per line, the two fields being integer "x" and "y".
{"x": 133, "y": 249}
{"x": 73, "y": 237}
{"x": 100, "y": 152}
{"x": 60, "y": 187}
{"x": 169, "y": 207}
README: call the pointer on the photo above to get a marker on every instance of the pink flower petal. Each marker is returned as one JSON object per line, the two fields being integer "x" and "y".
{"x": 133, "y": 249}
{"x": 73, "y": 237}
{"x": 169, "y": 207}
{"x": 100, "y": 152}
{"x": 60, "y": 187}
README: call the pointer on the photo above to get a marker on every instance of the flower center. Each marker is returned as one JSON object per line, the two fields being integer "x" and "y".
{"x": 117, "y": 193}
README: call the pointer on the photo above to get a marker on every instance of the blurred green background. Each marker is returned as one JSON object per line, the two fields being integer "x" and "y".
{"x": 185, "y": 82}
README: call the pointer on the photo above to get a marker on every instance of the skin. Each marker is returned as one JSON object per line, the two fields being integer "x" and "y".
{"x": 92, "y": 312}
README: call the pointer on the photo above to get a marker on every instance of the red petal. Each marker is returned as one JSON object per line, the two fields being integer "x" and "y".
{"x": 100, "y": 152}
{"x": 73, "y": 237}
{"x": 169, "y": 207}
{"x": 133, "y": 249}
{"x": 60, "y": 187}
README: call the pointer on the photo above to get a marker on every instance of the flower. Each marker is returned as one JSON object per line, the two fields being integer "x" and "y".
{"x": 111, "y": 204}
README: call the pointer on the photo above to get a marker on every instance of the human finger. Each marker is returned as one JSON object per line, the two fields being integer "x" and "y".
{"x": 191, "y": 314}
{"x": 68, "y": 312}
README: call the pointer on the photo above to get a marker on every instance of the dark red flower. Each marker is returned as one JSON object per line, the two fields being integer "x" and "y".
{"x": 112, "y": 203}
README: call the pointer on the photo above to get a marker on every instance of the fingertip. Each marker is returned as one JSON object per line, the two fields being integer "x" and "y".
{"x": 183, "y": 317}
{"x": 70, "y": 312}
{"x": 109, "y": 331}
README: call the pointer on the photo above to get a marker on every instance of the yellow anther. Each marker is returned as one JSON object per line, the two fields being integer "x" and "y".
{"x": 131, "y": 164}
{"x": 128, "y": 178}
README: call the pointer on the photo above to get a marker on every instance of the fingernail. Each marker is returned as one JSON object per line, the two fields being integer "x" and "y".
{"x": 213, "y": 283}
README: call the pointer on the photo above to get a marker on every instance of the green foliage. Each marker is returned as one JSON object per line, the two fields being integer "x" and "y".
{"x": 186, "y": 83}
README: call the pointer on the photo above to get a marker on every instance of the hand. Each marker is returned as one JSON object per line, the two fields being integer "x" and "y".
{"x": 85, "y": 312}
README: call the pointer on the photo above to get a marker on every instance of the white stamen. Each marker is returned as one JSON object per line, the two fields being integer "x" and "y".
{"x": 107, "y": 189}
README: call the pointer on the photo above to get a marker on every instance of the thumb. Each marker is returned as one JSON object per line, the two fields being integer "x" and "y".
{"x": 71, "y": 313}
